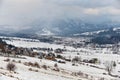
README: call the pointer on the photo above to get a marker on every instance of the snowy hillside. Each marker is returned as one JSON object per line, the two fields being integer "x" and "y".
{"x": 100, "y": 31}
{"x": 30, "y": 43}
{"x": 23, "y": 72}
{"x": 71, "y": 64}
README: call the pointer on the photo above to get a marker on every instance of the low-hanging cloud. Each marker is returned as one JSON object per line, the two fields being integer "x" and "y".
{"x": 19, "y": 13}
{"x": 1, "y": 2}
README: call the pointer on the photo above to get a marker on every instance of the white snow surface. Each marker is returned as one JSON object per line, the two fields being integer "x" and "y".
{"x": 84, "y": 53}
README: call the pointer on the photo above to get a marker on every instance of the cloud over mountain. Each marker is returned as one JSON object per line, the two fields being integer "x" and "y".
{"x": 43, "y": 13}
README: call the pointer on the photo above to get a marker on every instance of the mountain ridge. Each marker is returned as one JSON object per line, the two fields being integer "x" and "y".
{"x": 61, "y": 27}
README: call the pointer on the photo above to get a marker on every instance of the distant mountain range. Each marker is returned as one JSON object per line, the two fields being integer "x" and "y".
{"x": 61, "y": 27}
{"x": 109, "y": 36}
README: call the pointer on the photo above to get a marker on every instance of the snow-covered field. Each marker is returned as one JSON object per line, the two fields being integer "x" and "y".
{"x": 67, "y": 69}
{"x": 24, "y": 74}
{"x": 36, "y": 44}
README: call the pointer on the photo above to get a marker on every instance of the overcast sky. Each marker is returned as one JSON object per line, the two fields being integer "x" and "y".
{"x": 18, "y": 13}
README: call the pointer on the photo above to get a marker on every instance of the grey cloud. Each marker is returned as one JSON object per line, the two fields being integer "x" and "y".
{"x": 1, "y": 2}
{"x": 86, "y": 3}
{"x": 36, "y": 12}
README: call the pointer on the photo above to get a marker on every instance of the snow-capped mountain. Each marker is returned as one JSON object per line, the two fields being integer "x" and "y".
{"x": 99, "y": 32}
{"x": 109, "y": 36}
{"x": 62, "y": 27}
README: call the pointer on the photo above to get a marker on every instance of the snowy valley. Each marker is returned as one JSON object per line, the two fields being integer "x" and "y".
{"x": 59, "y": 39}
{"x": 50, "y": 61}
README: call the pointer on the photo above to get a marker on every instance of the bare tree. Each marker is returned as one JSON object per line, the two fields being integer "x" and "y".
{"x": 109, "y": 66}
{"x": 76, "y": 59}
{"x": 11, "y": 66}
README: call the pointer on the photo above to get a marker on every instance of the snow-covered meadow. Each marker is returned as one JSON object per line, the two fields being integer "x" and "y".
{"x": 67, "y": 70}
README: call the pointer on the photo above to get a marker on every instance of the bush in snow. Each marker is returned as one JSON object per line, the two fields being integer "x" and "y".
{"x": 45, "y": 67}
{"x": 55, "y": 65}
{"x": 73, "y": 64}
{"x": 19, "y": 61}
{"x": 76, "y": 59}
{"x": 11, "y": 66}
{"x": 80, "y": 73}
{"x": 36, "y": 70}
{"x": 26, "y": 64}
{"x": 30, "y": 69}
{"x": 7, "y": 60}
{"x": 93, "y": 60}
{"x": 114, "y": 64}
{"x": 13, "y": 61}
{"x": 56, "y": 69}
{"x": 60, "y": 61}
{"x": 30, "y": 64}
{"x": 36, "y": 65}
{"x": 59, "y": 56}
